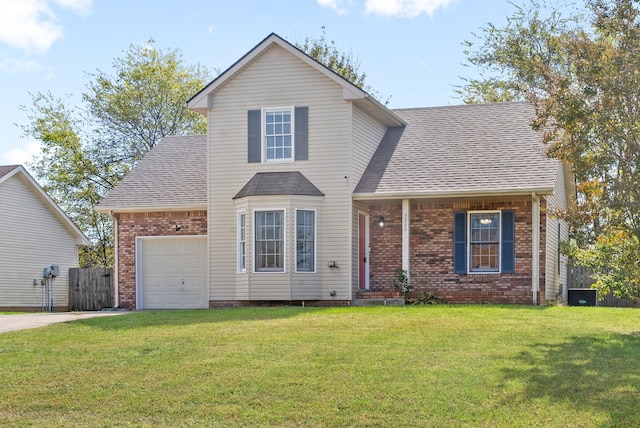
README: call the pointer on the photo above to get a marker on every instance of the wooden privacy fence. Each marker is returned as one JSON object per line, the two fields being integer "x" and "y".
{"x": 580, "y": 277}
{"x": 90, "y": 289}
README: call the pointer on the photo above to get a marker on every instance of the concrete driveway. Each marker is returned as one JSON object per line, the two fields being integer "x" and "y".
{"x": 25, "y": 321}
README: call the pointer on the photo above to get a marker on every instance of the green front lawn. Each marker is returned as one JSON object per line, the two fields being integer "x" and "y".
{"x": 377, "y": 366}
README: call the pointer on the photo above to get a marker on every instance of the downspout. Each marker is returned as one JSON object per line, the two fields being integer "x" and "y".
{"x": 535, "y": 246}
{"x": 406, "y": 250}
{"x": 116, "y": 295}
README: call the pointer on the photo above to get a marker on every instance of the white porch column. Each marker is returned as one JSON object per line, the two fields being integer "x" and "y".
{"x": 405, "y": 237}
{"x": 535, "y": 246}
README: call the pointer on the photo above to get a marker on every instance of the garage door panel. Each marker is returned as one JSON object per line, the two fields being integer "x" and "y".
{"x": 194, "y": 262}
{"x": 153, "y": 299}
{"x": 153, "y": 263}
{"x": 192, "y": 281}
{"x": 174, "y": 273}
{"x": 193, "y": 299}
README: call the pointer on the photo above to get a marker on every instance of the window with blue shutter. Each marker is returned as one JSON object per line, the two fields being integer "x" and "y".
{"x": 476, "y": 242}
{"x": 508, "y": 242}
{"x": 460, "y": 242}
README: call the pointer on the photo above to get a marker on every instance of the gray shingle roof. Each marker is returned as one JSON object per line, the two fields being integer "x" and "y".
{"x": 173, "y": 175}
{"x": 6, "y": 169}
{"x": 481, "y": 148}
{"x": 278, "y": 183}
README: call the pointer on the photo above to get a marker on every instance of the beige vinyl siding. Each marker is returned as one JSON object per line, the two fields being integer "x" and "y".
{"x": 32, "y": 238}
{"x": 278, "y": 79}
{"x": 367, "y": 134}
{"x": 556, "y": 283}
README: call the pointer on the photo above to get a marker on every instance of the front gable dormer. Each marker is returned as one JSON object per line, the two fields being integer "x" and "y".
{"x": 203, "y": 101}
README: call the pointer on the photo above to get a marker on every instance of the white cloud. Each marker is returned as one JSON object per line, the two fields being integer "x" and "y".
{"x": 22, "y": 155}
{"x": 333, "y": 4}
{"x": 404, "y": 8}
{"x": 31, "y": 25}
{"x": 17, "y": 65}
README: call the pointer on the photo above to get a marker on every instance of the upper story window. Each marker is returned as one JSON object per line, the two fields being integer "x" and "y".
{"x": 278, "y": 134}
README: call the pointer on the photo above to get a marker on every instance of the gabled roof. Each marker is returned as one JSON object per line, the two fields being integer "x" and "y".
{"x": 278, "y": 183}
{"x": 9, "y": 171}
{"x": 172, "y": 176}
{"x": 480, "y": 149}
{"x": 6, "y": 169}
{"x": 201, "y": 102}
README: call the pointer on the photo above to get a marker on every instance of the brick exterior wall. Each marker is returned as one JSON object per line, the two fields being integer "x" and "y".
{"x": 431, "y": 255}
{"x": 132, "y": 225}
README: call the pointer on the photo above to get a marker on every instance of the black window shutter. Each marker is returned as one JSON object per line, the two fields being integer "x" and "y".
{"x": 460, "y": 242}
{"x": 508, "y": 242}
{"x": 254, "y": 152}
{"x": 301, "y": 116}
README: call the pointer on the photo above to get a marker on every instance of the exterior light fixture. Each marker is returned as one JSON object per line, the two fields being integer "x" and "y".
{"x": 381, "y": 221}
{"x": 178, "y": 227}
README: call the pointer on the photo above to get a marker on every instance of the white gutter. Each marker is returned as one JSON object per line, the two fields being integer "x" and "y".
{"x": 116, "y": 296}
{"x": 406, "y": 239}
{"x": 535, "y": 246}
{"x": 455, "y": 194}
{"x": 108, "y": 210}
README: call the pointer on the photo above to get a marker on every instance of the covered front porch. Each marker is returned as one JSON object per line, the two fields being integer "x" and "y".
{"x": 464, "y": 250}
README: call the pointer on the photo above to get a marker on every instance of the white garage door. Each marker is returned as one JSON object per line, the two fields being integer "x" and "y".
{"x": 173, "y": 273}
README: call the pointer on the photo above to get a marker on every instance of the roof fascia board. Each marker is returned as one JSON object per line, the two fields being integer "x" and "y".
{"x": 110, "y": 210}
{"x": 445, "y": 194}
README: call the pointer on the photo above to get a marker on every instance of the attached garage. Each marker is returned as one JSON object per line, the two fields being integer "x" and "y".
{"x": 172, "y": 272}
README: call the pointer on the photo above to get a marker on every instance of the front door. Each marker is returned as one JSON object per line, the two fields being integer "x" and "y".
{"x": 363, "y": 252}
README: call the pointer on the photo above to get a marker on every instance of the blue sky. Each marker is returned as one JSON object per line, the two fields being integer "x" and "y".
{"x": 411, "y": 50}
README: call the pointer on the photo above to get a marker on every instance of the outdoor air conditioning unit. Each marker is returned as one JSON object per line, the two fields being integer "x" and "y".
{"x": 583, "y": 297}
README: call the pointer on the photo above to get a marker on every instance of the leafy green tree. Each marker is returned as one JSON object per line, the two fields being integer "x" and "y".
{"x": 87, "y": 150}
{"x": 581, "y": 74}
{"x": 343, "y": 63}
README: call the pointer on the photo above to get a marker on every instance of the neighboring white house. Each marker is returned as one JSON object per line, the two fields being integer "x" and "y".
{"x": 36, "y": 234}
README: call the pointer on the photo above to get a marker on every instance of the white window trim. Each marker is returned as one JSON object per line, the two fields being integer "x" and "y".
{"x": 284, "y": 241}
{"x": 485, "y": 272}
{"x": 239, "y": 268}
{"x": 315, "y": 241}
{"x": 263, "y": 120}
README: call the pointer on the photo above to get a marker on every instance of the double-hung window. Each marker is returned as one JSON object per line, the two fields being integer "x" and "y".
{"x": 278, "y": 134}
{"x": 269, "y": 241}
{"x": 484, "y": 242}
{"x": 242, "y": 242}
{"x": 305, "y": 241}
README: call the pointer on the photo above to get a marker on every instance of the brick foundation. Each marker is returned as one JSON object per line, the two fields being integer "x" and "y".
{"x": 273, "y": 303}
{"x": 431, "y": 263}
{"x": 132, "y": 225}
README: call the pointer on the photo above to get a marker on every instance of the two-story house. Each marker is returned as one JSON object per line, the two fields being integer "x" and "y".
{"x": 306, "y": 189}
